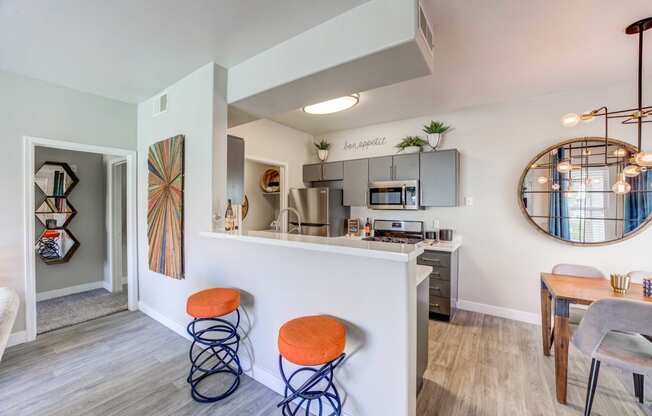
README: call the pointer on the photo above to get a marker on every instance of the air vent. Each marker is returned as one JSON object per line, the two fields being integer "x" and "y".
{"x": 161, "y": 104}
{"x": 425, "y": 28}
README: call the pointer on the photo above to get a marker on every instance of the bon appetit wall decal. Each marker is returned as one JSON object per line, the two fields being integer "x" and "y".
{"x": 364, "y": 144}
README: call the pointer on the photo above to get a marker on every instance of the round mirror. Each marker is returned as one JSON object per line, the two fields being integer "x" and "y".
{"x": 585, "y": 192}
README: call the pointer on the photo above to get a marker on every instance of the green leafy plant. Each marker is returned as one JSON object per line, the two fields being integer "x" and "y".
{"x": 410, "y": 141}
{"x": 436, "y": 127}
{"x": 322, "y": 145}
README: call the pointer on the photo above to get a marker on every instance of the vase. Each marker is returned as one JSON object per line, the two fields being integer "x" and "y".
{"x": 411, "y": 149}
{"x": 435, "y": 140}
{"x": 322, "y": 154}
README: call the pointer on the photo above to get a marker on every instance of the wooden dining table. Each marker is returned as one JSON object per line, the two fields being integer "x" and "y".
{"x": 558, "y": 292}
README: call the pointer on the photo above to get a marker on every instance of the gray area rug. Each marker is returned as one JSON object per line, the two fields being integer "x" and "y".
{"x": 80, "y": 307}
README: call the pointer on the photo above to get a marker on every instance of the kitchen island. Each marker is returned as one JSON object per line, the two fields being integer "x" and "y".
{"x": 370, "y": 286}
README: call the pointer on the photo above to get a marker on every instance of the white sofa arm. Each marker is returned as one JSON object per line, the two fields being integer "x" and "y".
{"x": 9, "y": 302}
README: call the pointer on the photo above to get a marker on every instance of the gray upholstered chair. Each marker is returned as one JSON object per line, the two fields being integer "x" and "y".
{"x": 577, "y": 270}
{"x": 611, "y": 334}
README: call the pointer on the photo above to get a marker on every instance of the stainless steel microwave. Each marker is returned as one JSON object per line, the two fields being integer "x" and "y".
{"x": 394, "y": 195}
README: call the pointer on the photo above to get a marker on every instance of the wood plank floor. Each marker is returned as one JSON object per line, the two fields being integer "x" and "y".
{"x": 128, "y": 364}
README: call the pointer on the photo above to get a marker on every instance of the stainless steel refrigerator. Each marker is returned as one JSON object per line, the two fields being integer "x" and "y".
{"x": 321, "y": 210}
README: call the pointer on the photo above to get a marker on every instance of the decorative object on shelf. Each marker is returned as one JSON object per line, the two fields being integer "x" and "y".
{"x": 587, "y": 199}
{"x": 640, "y": 159}
{"x": 56, "y": 246}
{"x": 245, "y": 207}
{"x": 435, "y": 133}
{"x": 55, "y": 212}
{"x": 411, "y": 144}
{"x": 620, "y": 283}
{"x": 353, "y": 225}
{"x": 322, "y": 149}
{"x": 270, "y": 180}
{"x": 165, "y": 213}
{"x": 55, "y": 179}
{"x": 647, "y": 287}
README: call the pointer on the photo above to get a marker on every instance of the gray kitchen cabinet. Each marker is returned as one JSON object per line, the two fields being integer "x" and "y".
{"x": 332, "y": 171}
{"x": 406, "y": 167}
{"x": 443, "y": 290}
{"x": 439, "y": 178}
{"x": 355, "y": 183}
{"x": 235, "y": 161}
{"x": 312, "y": 173}
{"x": 381, "y": 169}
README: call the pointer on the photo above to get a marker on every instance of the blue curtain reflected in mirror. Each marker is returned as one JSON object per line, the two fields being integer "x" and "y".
{"x": 558, "y": 224}
{"x": 638, "y": 205}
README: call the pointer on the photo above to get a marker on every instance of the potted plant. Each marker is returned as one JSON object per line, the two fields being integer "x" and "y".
{"x": 411, "y": 144}
{"x": 435, "y": 132}
{"x": 322, "y": 149}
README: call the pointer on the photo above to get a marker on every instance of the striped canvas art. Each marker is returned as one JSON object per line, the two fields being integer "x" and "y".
{"x": 165, "y": 207}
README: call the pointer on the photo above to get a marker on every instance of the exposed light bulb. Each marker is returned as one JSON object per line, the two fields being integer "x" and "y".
{"x": 643, "y": 159}
{"x": 620, "y": 152}
{"x": 542, "y": 180}
{"x": 570, "y": 120}
{"x": 564, "y": 166}
{"x": 621, "y": 187}
{"x": 632, "y": 171}
{"x": 587, "y": 117}
{"x": 555, "y": 186}
{"x": 587, "y": 152}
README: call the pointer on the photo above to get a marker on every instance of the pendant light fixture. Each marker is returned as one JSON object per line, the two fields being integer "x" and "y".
{"x": 638, "y": 116}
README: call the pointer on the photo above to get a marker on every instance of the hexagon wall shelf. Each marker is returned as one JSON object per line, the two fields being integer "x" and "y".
{"x": 55, "y": 179}
{"x": 56, "y": 211}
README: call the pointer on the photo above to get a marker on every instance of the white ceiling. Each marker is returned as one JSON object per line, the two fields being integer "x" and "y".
{"x": 502, "y": 50}
{"x": 131, "y": 49}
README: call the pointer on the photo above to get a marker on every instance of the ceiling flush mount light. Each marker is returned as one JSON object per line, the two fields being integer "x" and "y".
{"x": 333, "y": 106}
{"x": 632, "y": 171}
{"x": 564, "y": 166}
{"x": 542, "y": 180}
{"x": 638, "y": 115}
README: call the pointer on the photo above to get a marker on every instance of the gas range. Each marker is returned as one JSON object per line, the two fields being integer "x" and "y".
{"x": 398, "y": 232}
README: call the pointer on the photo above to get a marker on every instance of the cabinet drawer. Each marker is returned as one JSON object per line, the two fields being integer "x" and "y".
{"x": 441, "y": 274}
{"x": 441, "y": 305}
{"x": 440, "y": 288}
{"x": 435, "y": 259}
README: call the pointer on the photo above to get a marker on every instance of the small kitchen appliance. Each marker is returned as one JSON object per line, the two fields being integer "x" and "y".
{"x": 394, "y": 195}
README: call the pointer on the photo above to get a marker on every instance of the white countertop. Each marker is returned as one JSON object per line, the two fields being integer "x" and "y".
{"x": 422, "y": 273}
{"x": 342, "y": 245}
{"x": 447, "y": 246}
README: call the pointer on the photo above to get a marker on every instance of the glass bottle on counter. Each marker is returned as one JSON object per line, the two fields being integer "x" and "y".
{"x": 229, "y": 218}
{"x": 367, "y": 228}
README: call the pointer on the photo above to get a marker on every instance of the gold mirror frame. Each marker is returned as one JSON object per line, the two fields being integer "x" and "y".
{"x": 520, "y": 185}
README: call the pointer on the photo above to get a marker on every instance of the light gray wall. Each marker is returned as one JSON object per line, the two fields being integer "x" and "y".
{"x": 40, "y": 109}
{"x": 263, "y": 209}
{"x": 89, "y": 199}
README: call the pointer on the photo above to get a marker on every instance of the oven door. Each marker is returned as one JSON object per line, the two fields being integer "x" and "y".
{"x": 386, "y": 195}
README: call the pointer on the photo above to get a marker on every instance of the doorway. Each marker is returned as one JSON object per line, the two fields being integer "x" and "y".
{"x": 265, "y": 193}
{"x": 78, "y": 268}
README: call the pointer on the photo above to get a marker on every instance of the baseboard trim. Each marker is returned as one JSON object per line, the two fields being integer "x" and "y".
{"x": 57, "y": 293}
{"x": 261, "y": 375}
{"x": 16, "y": 338}
{"x": 513, "y": 314}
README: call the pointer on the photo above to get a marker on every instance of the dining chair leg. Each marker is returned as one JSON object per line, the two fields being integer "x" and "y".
{"x": 639, "y": 387}
{"x": 593, "y": 383}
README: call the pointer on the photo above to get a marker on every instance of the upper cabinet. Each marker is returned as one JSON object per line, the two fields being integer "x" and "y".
{"x": 381, "y": 169}
{"x": 355, "y": 182}
{"x": 406, "y": 167}
{"x": 331, "y": 171}
{"x": 439, "y": 178}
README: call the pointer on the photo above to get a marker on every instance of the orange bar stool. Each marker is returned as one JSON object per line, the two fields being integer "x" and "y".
{"x": 316, "y": 344}
{"x": 217, "y": 340}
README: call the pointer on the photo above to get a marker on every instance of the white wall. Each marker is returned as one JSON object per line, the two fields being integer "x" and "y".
{"x": 39, "y": 109}
{"x": 273, "y": 142}
{"x": 503, "y": 254}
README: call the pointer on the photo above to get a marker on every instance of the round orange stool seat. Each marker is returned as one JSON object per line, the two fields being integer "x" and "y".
{"x": 211, "y": 303}
{"x": 312, "y": 340}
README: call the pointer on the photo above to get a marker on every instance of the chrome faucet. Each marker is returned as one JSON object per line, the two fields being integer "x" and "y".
{"x": 277, "y": 223}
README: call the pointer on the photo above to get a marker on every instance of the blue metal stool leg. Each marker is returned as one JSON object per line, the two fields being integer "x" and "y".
{"x": 214, "y": 350}
{"x": 319, "y": 386}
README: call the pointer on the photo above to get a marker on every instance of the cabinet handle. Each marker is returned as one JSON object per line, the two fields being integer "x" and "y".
{"x": 437, "y": 274}
{"x": 436, "y": 305}
{"x": 437, "y": 289}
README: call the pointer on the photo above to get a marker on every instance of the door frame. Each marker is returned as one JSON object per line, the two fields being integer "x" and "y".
{"x": 113, "y": 253}
{"x": 29, "y": 220}
{"x": 285, "y": 190}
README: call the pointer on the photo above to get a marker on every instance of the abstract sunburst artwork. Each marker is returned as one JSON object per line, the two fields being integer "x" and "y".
{"x": 165, "y": 207}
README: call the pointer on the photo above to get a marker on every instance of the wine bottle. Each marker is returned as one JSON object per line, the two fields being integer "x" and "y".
{"x": 367, "y": 228}
{"x": 229, "y": 218}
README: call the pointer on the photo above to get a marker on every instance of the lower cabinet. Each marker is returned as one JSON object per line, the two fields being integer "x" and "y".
{"x": 443, "y": 282}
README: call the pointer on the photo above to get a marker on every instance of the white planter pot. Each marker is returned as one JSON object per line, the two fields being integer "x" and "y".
{"x": 411, "y": 149}
{"x": 435, "y": 140}
{"x": 322, "y": 154}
